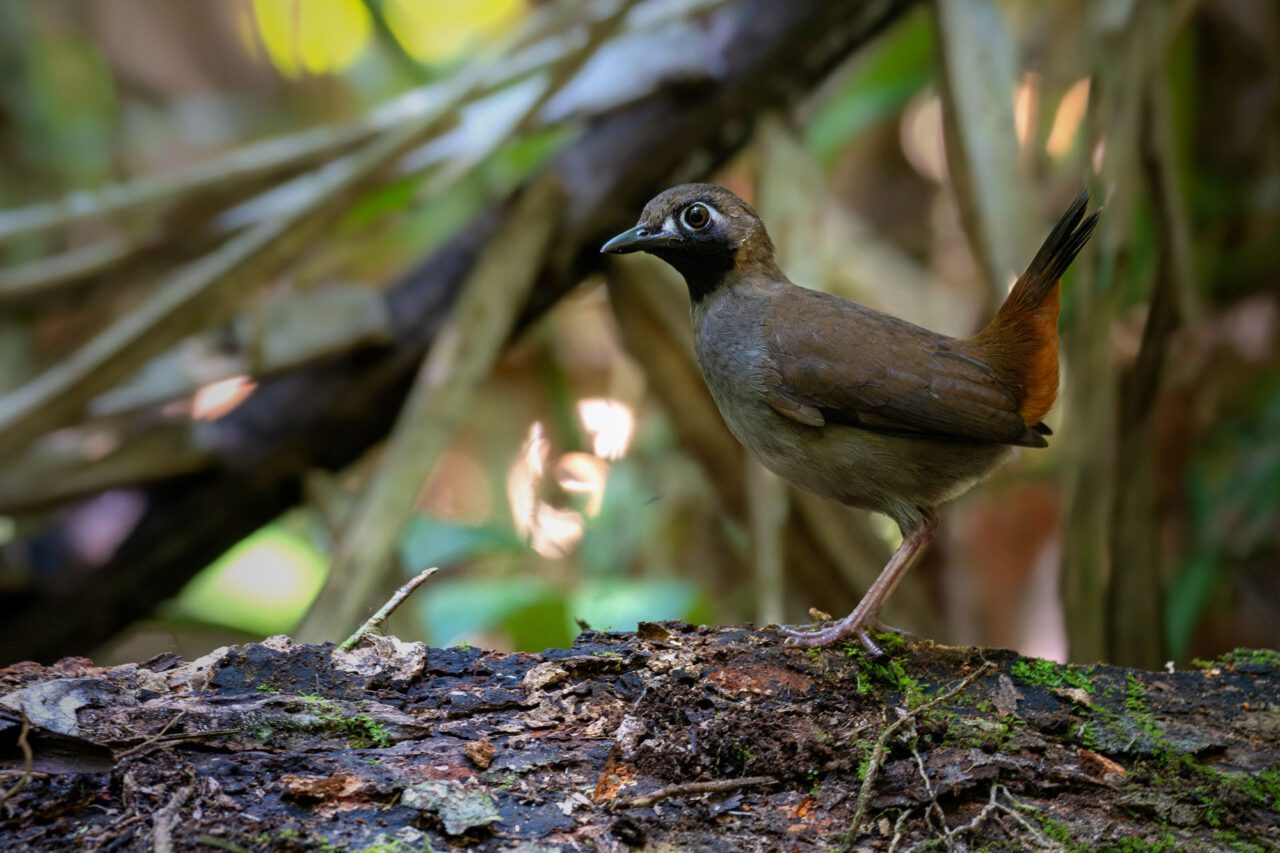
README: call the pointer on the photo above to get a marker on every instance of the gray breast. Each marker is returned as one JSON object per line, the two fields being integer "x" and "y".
{"x": 729, "y": 340}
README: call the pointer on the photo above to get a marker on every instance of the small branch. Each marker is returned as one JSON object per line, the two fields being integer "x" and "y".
{"x": 375, "y": 621}
{"x": 28, "y": 760}
{"x": 990, "y": 808}
{"x": 1040, "y": 840}
{"x": 934, "y": 809}
{"x": 881, "y": 747}
{"x": 220, "y": 844}
{"x": 200, "y": 292}
{"x": 165, "y": 818}
{"x": 156, "y": 737}
{"x": 897, "y": 830}
{"x": 51, "y": 275}
{"x": 684, "y": 789}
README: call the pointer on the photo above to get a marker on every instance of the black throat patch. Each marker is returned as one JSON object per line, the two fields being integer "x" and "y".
{"x": 704, "y": 267}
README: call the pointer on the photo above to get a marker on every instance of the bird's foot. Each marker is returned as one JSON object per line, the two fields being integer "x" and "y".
{"x": 850, "y": 626}
{"x": 864, "y": 629}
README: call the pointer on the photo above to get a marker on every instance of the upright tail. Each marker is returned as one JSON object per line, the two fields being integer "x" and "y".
{"x": 1021, "y": 342}
{"x": 1056, "y": 254}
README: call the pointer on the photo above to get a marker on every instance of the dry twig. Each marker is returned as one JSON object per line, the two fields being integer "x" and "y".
{"x": 881, "y": 747}
{"x": 28, "y": 760}
{"x": 684, "y": 789}
{"x": 156, "y": 737}
{"x": 166, "y": 817}
{"x": 374, "y": 622}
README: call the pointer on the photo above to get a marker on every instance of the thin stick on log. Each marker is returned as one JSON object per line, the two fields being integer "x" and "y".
{"x": 166, "y": 818}
{"x": 684, "y": 789}
{"x": 882, "y": 742}
{"x": 28, "y": 761}
{"x": 374, "y": 622}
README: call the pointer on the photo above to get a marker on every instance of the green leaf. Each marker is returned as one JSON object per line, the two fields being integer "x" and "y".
{"x": 530, "y": 608}
{"x": 432, "y": 541}
{"x": 617, "y": 604}
{"x": 885, "y": 79}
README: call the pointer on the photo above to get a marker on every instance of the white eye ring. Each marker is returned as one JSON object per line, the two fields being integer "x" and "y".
{"x": 696, "y": 216}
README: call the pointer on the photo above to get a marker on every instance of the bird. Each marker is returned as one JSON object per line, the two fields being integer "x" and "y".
{"x": 850, "y": 403}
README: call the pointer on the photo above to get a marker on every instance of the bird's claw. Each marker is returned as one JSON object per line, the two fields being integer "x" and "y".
{"x": 844, "y": 629}
{"x": 814, "y": 638}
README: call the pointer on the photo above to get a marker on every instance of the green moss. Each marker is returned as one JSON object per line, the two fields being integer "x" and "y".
{"x": 1232, "y": 841}
{"x": 1046, "y": 673}
{"x": 892, "y": 644}
{"x": 368, "y": 731}
{"x": 876, "y": 676}
{"x": 1054, "y": 829}
{"x": 1216, "y": 794}
{"x": 321, "y": 716}
{"x": 1243, "y": 657}
{"x": 1145, "y": 845}
{"x": 384, "y": 844}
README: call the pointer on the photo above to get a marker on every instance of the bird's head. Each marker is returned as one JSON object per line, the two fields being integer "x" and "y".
{"x": 706, "y": 232}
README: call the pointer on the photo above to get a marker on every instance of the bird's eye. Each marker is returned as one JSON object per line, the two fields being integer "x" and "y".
{"x": 697, "y": 217}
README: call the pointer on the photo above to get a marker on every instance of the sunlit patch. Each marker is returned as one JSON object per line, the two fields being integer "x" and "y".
{"x": 551, "y": 531}
{"x": 95, "y": 528}
{"x": 1067, "y": 120}
{"x": 312, "y": 36}
{"x": 1026, "y": 97}
{"x": 887, "y": 529}
{"x": 1099, "y": 155}
{"x": 921, "y": 137}
{"x": 220, "y": 398}
{"x": 263, "y": 585}
{"x": 441, "y": 30}
{"x": 610, "y": 423}
{"x": 583, "y": 473}
{"x": 99, "y": 443}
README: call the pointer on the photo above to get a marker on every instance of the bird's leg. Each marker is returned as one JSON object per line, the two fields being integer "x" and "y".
{"x": 866, "y": 614}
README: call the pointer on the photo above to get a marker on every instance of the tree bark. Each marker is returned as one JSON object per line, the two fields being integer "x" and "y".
{"x": 673, "y": 738}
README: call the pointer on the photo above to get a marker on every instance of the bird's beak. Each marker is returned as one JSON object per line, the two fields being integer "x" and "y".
{"x": 638, "y": 239}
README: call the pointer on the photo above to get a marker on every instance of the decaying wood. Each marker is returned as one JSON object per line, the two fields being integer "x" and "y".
{"x": 325, "y": 416}
{"x": 673, "y": 738}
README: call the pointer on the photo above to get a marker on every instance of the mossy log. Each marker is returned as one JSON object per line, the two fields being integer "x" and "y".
{"x": 674, "y": 738}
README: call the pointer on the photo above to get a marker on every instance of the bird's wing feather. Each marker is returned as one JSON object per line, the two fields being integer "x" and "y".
{"x": 848, "y": 364}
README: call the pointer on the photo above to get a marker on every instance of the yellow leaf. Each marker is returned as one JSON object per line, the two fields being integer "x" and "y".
{"x": 312, "y": 36}
{"x": 439, "y": 30}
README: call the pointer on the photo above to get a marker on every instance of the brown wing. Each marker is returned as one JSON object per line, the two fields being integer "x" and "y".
{"x": 839, "y": 362}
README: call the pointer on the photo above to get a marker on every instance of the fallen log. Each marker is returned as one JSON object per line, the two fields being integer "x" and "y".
{"x": 672, "y": 738}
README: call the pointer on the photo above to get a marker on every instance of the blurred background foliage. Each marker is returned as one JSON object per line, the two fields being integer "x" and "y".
{"x": 918, "y": 179}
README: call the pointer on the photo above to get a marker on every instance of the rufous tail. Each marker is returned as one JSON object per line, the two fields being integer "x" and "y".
{"x": 1022, "y": 341}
